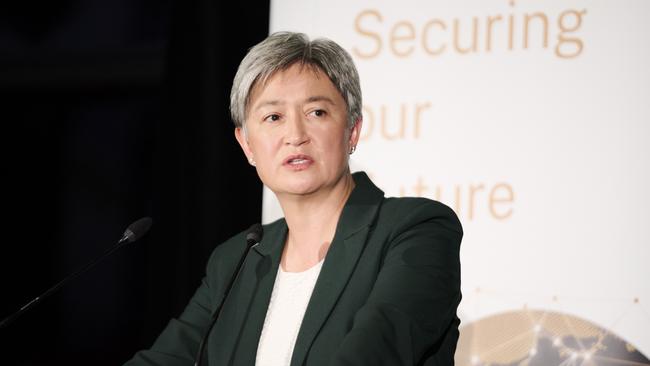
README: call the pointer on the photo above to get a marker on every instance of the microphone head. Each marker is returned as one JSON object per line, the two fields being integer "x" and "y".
{"x": 254, "y": 234}
{"x": 137, "y": 229}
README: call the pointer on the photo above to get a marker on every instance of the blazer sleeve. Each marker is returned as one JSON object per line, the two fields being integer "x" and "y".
{"x": 410, "y": 315}
{"x": 178, "y": 344}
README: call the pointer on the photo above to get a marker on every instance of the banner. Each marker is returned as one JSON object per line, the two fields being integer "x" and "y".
{"x": 531, "y": 120}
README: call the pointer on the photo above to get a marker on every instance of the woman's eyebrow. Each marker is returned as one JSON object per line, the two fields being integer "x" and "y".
{"x": 276, "y": 102}
{"x": 265, "y": 103}
{"x": 320, "y": 98}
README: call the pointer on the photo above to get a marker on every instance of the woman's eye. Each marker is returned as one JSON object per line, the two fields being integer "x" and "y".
{"x": 272, "y": 118}
{"x": 319, "y": 113}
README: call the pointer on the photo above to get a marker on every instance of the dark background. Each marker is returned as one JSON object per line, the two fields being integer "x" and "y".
{"x": 113, "y": 110}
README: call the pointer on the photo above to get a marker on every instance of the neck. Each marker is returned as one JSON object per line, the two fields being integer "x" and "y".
{"x": 312, "y": 221}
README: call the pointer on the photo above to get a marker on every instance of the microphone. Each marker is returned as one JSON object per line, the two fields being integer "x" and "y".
{"x": 253, "y": 237}
{"x": 134, "y": 232}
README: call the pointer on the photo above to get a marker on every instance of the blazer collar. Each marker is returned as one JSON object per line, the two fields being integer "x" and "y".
{"x": 361, "y": 208}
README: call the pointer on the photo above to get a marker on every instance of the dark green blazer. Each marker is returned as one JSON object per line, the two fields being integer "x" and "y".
{"x": 387, "y": 292}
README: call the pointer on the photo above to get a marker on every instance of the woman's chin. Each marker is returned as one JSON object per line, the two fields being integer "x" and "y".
{"x": 300, "y": 190}
{"x": 297, "y": 187}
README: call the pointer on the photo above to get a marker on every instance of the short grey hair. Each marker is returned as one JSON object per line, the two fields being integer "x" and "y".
{"x": 281, "y": 50}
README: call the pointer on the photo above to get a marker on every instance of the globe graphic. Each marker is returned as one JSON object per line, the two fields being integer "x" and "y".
{"x": 542, "y": 338}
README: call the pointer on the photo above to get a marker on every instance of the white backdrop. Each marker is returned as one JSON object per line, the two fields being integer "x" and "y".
{"x": 531, "y": 120}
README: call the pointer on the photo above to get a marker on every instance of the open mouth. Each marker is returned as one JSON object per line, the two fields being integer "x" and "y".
{"x": 298, "y": 160}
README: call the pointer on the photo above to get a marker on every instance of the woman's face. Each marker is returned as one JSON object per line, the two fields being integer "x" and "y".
{"x": 297, "y": 132}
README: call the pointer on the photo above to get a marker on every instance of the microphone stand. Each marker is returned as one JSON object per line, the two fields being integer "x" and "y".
{"x": 133, "y": 233}
{"x": 252, "y": 239}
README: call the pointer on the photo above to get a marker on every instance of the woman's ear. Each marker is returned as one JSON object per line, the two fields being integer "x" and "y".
{"x": 240, "y": 135}
{"x": 355, "y": 132}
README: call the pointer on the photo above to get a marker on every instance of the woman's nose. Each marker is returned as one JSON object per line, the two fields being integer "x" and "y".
{"x": 296, "y": 133}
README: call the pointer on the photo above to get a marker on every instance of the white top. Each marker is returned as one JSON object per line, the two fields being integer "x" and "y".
{"x": 291, "y": 294}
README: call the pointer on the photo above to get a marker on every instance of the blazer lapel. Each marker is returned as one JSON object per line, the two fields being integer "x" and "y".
{"x": 341, "y": 259}
{"x": 250, "y": 298}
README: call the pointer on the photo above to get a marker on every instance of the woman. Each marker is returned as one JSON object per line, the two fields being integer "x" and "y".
{"x": 347, "y": 277}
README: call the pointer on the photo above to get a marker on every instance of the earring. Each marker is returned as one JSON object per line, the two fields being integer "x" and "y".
{"x": 251, "y": 161}
{"x": 353, "y": 148}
